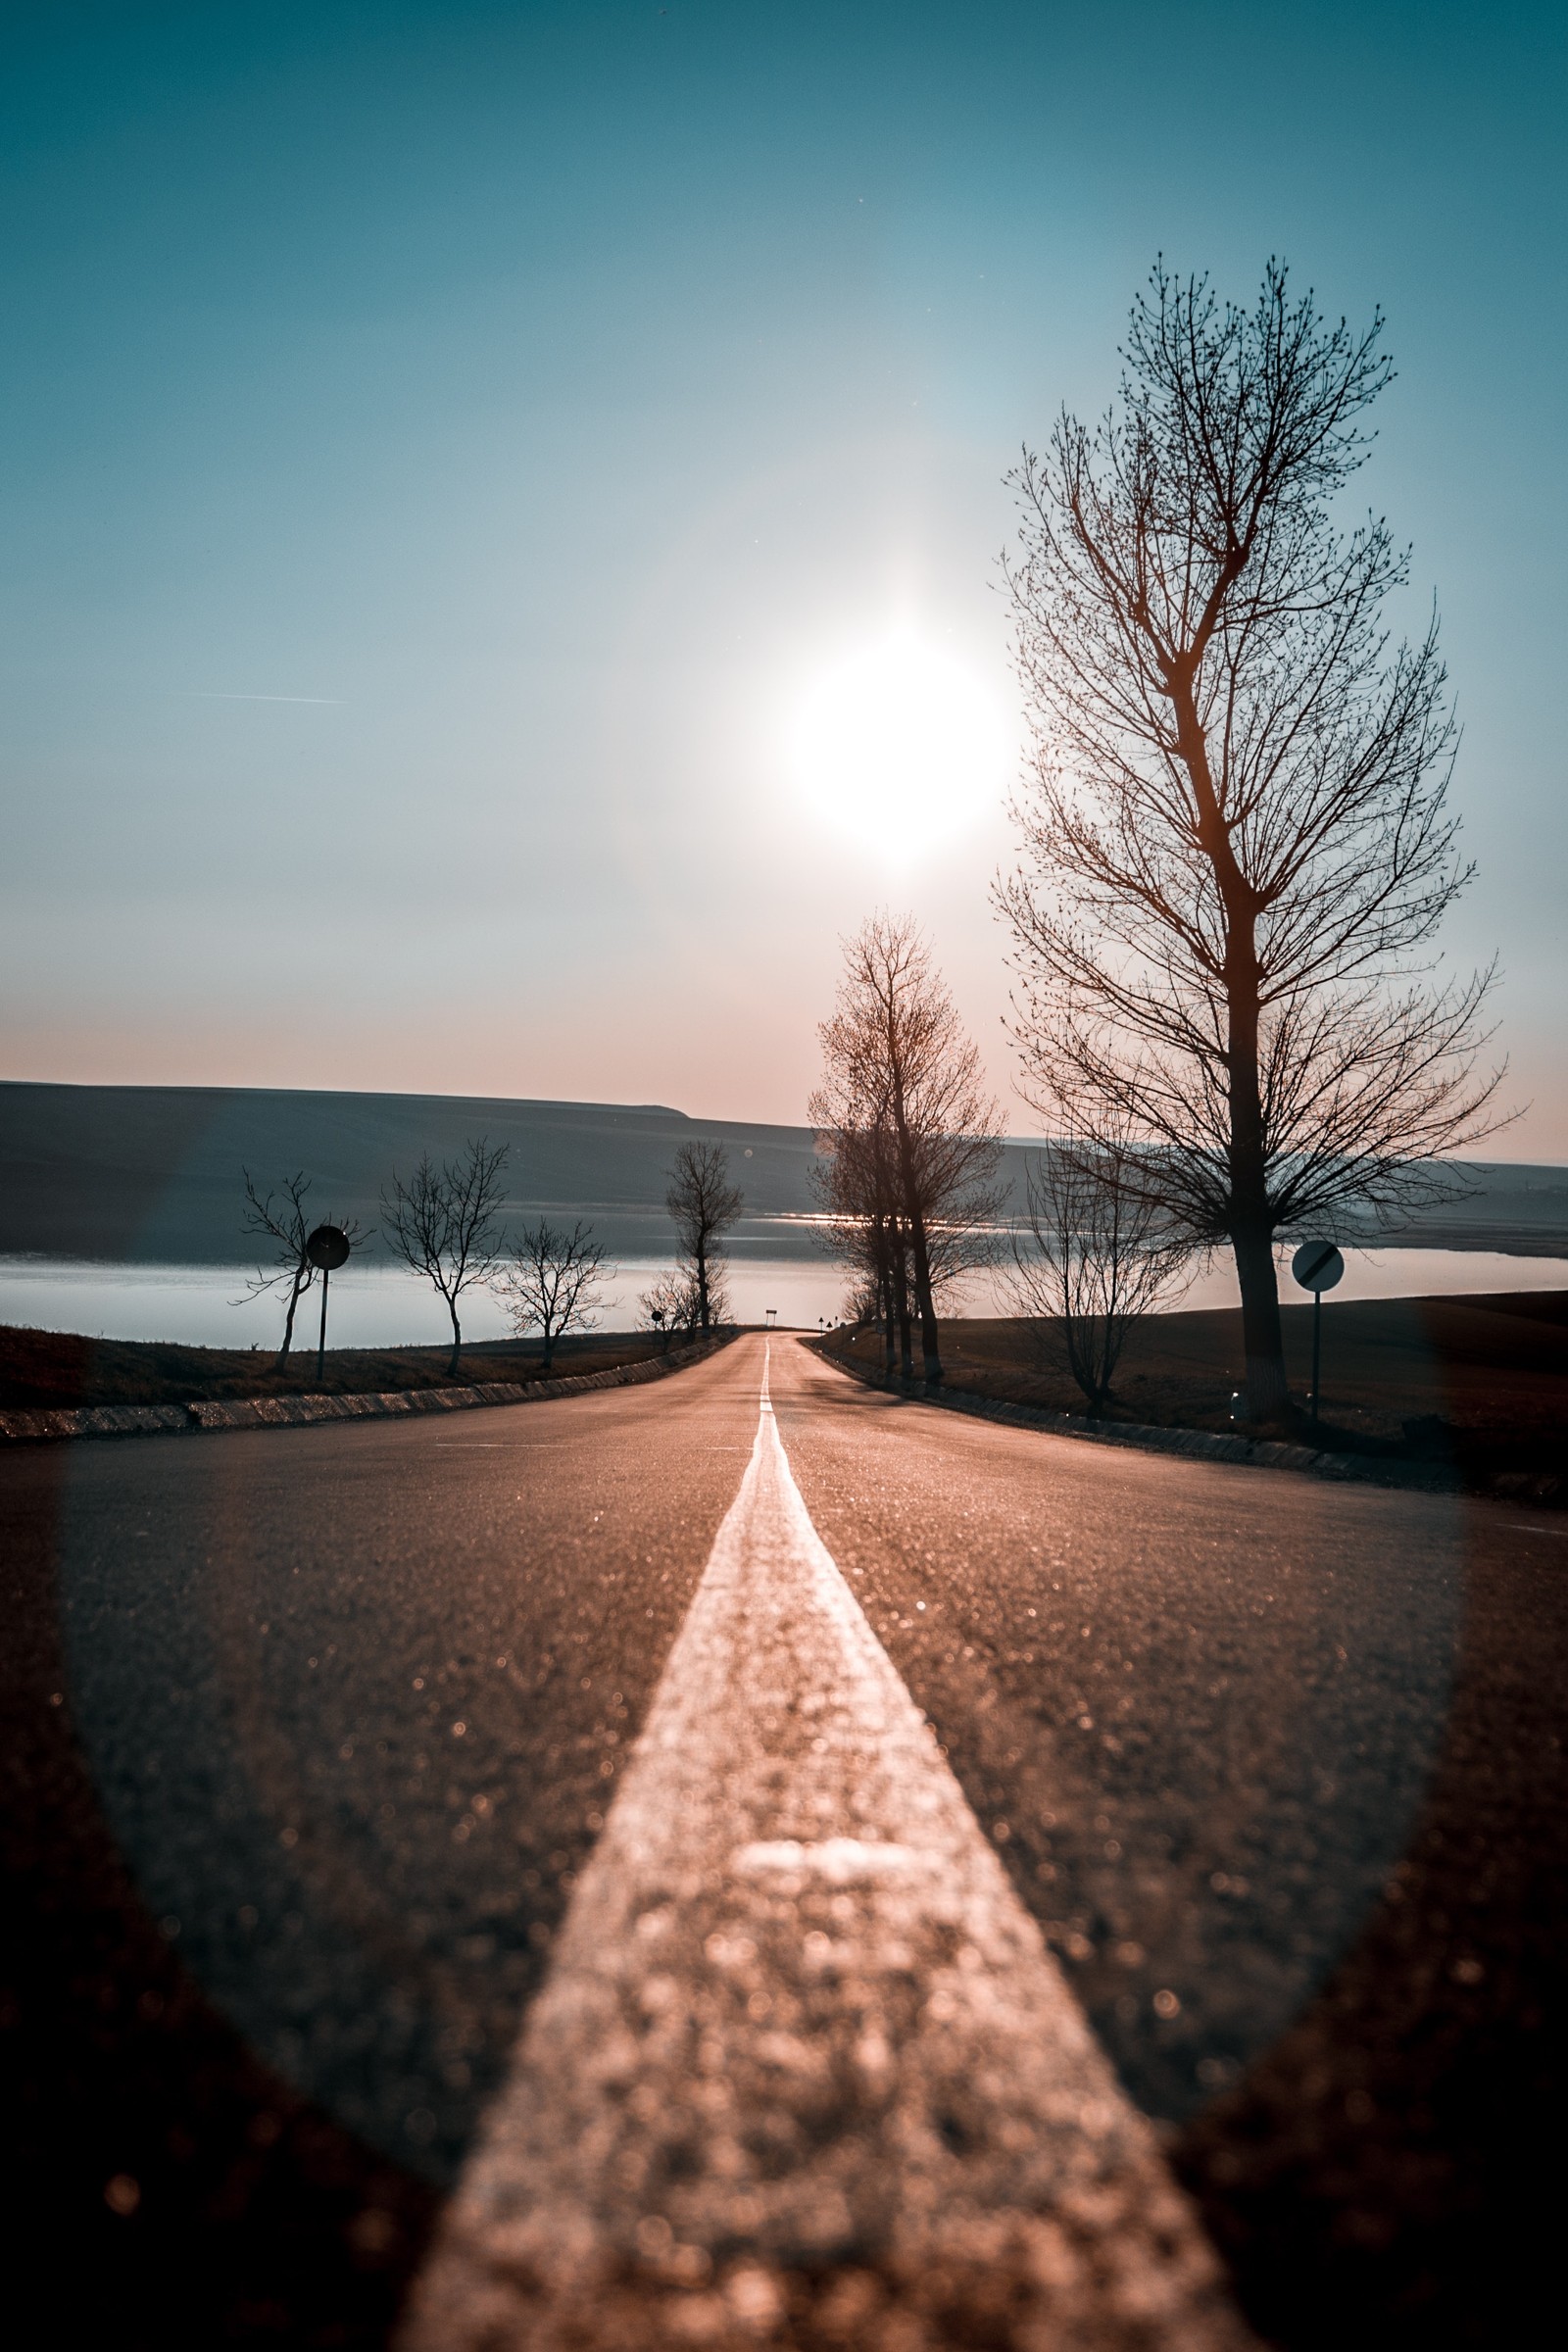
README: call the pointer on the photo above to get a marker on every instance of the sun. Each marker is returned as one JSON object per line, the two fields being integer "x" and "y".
{"x": 900, "y": 745}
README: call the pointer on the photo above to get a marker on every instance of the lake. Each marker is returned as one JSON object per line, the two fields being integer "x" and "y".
{"x": 380, "y": 1305}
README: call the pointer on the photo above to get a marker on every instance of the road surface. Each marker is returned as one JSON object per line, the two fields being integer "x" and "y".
{"x": 321, "y": 1757}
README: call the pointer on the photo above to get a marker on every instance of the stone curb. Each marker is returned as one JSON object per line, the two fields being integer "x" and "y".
{"x": 1197, "y": 1445}
{"x": 298, "y": 1412}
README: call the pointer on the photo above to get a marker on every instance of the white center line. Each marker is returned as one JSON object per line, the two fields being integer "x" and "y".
{"x": 802, "y": 2069}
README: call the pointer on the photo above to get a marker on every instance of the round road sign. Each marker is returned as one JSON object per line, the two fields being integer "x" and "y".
{"x": 1318, "y": 1265}
{"x": 327, "y": 1247}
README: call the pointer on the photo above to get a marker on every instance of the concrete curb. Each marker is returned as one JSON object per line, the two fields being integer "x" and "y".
{"x": 300, "y": 1412}
{"x": 1194, "y": 1444}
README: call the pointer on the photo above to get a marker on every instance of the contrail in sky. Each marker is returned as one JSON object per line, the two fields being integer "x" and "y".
{"x": 324, "y": 698}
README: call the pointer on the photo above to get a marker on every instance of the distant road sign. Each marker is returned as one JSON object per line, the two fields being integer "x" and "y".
{"x": 1317, "y": 1267}
{"x": 327, "y": 1247}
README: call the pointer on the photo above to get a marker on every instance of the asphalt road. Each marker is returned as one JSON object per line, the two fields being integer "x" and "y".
{"x": 313, "y": 1734}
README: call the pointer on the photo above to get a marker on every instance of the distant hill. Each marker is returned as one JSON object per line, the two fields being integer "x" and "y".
{"x": 152, "y": 1173}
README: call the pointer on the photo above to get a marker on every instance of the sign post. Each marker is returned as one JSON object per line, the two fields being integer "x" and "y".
{"x": 1317, "y": 1267}
{"x": 327, "y": 1249}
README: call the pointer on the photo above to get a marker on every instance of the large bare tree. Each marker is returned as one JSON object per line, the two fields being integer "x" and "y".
{"x": 703, "y": 1204}
{"x": 445, "y": 1223}
{"x": 552, "y": 1281}
{"x": 903, "y": 1108}
{"x": 1237, "y": 847}
{"x": 280, "y": 1221}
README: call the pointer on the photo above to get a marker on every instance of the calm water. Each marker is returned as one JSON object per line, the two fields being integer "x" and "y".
{"x": 374, "y": 1305}
{"x": 378, "y": 1305}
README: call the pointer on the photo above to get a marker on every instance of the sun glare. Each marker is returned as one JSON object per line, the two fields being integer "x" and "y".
{"x": 900, "y": 745}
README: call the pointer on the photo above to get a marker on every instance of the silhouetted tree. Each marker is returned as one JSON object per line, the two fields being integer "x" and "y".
{"x": 445, "y": 1223}
{"x": 552, "y": 1281}
{"x": 854, "y": 1178}
{"x": 1095, "y": 1254}
{"x": 1237, "y": 848}
{"x": 282, "y": 1218}
{"x": 903, "y": 1113}
{"x": 703, "y": 1204}
{"x": 673, "y": 1303}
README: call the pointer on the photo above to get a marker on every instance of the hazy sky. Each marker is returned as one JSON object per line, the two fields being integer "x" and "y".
{"x": 456, "y": 462}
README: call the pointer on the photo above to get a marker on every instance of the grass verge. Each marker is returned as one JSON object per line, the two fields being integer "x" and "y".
{"x": 1478, "y": 1385}
{"x": 54, "y": 1370}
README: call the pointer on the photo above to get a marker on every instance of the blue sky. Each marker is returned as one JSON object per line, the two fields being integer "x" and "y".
{"x": 538, "y": 401}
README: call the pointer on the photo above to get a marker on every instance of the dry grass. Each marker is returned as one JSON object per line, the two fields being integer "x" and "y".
{"x": 1482, "y": 1381}
{"x": 50, "y": 1368}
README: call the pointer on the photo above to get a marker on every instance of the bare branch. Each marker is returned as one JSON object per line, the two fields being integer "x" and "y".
{"x": 703, "y": 1204}
{"x": 284, "y": 1222}
{"x": 1096, "y": 1251}
{"x": 445, "y": 1223}
{"x": 552, "y": 1283}
{"x": 908, "y": 1139}
{"x": 674, "y": 1303}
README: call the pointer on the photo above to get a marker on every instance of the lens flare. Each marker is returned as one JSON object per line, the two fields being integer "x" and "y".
{"x": 900, "y": 745}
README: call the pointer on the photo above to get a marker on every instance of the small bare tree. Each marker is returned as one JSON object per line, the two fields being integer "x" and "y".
{"x": 552, "y": 1281}
{"x": 703, "y": 1204}
{"x": 1095, "y": 1254}
{"x": 445, "y": 1223}
{"x": 1235, "y": 844}
{"x": 903, "y": 1105}
{"x": 672, "y": 1304}
{"x": 281, "y": 1219}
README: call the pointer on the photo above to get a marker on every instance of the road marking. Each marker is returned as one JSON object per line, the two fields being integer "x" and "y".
{"x": 802, "y": 2069}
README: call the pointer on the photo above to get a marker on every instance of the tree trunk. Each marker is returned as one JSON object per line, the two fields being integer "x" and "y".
{"x": 457, "y": 1341}
{"x": 922, "y": 1263}
{"x": 924, "y": 1307}
{"x": 701, "y": 1283}
{"x": 1268, "y": 1395}
{"x": 1080, "y": 1359}
{"x": 288, "y": 1322}
{"x": 901, "y": 1302}
{"x": 549, "y": 1349}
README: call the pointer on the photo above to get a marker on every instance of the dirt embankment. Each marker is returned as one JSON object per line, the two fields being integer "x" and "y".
{"x": 54, "y": 1370}
{"x": 1477, "y": 1384}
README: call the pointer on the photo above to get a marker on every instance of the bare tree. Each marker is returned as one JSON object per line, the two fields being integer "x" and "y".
{"x": 852, "y": 1177}
{"x": 1095, "y": 1254}
{"x": 672, "y": 1304}
{"x": 856, "y": 1177}
{"x": 281, "y": 1219}
{"x": 1235, "y": 844}
{"x": 552, "y": 1281}
{"x": 904, "y": 1103}
{"x": 445, "y": 1223}
{"x": 703, "y": 1204}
